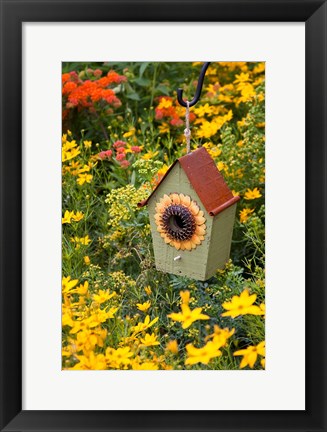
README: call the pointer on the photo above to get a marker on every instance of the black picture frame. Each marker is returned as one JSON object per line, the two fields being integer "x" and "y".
{"x": 13, "y": 14}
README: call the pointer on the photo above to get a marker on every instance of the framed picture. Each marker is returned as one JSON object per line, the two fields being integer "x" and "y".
{"x": 192, "y": 370}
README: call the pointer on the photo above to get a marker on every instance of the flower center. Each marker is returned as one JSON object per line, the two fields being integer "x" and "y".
{"x": 178, "y": 222}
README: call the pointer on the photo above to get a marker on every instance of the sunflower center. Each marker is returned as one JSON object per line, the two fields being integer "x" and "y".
{"x": 178, "y": 222}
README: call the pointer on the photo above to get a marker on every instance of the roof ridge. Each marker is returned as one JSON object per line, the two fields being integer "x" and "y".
{"x": 206, "y": 180}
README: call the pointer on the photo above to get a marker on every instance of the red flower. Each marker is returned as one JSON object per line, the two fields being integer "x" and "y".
{"x": 119, "y": 144}
{"x": 136, "y": 149}
{"x": 120, "y": 156}
{"x": 124, "y": 163}
{"x": 176, "y": 122}
{"x": 85, "y": 94}
{"x": 105, "y": 154}
{"x": 97, "y": 73}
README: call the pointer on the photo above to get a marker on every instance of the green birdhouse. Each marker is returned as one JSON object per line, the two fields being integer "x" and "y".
{"x": 192, "y": 213}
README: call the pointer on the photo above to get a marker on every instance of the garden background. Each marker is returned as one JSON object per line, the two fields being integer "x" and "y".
{"x": 122, "y": 129}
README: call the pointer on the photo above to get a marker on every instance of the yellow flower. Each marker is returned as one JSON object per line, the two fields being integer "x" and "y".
{"x": 202, "y": 355}
{"x": 247, "y": 92}
{"x": 118, "y": 357}
{"x": 243, "y": 77}
{"x": 92, "y": 362}
{"x": 68, "y": 155}
{"x": 101, "y": 316}
{"x": 86, "y": 340}
{"x": 242, "y": 305}
{"x": 164, "y": 128}
{"x": 82, "y": 178}
{"x": 144, "y": 366}
{"x": 165, "y": 103}
{"x": 172, "y": 346}
{"x": 87, "y": 144}
{"x": 82, "y": 240}
{"x": 85, "y": 240}
{"x": 220, "y": 336}
{"x": 259, "y": 68}
{"x": 185, "y": 296}
{"x": 210, "y": 128}
{"x": 148, "y": 290}
{"x": 143, "y": 306}
{"x": 149, "y": 155}
{"x": 149, "y": 340}
{"x": 252, "y": 194}
{"x": 180, "y": 221}
{"x": 130, "y": 133}
{"x": 221, "y": 166}
{"x": 103, "y": 296}
{"x": 144, "y": 325}
{"x": 68, "y": 284}
{"x": 87, "y": 260}
{"x": 79, "y": 325}
{"x": 250, "y": 354}
{"x": 201, "y": 111}
{"x": 188, "y": 316}
{"x": 82, "y": 289}
{"x": 77, "y": 216}
{"x": 244, "y": 214}
{"x": 67, "y": 217}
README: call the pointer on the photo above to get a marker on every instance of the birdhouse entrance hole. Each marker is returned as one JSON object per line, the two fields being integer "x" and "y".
{"x": 176, "y": 223}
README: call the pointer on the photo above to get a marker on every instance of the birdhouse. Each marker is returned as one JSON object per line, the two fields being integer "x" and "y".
{"x": 192, "y": 213}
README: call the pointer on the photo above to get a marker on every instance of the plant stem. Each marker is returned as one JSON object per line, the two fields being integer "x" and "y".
{"x": 153, "y": 84}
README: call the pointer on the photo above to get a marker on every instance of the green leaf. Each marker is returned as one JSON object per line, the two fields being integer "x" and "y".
{"x": 143, "y": 67}
{"x": 144, "y": 82}
{"x": 133, "y": 178}
{"x": 134, "y": 96}
{"x": 163, "y": 89}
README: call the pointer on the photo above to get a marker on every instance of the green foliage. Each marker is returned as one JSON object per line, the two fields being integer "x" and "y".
{"x": 115, "y": 150}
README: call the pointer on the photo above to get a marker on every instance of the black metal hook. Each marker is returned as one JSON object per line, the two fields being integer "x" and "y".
{"x": 198, "y": 88}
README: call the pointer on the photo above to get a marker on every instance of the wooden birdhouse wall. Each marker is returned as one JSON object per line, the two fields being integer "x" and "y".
{"x": 221, "y": 238}
{"x": 201, "y": 262}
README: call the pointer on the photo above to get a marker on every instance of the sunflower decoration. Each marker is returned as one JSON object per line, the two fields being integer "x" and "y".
{"x": 180, "y": 221}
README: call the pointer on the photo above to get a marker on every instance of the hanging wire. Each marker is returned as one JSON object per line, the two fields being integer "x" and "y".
{"x": 198, "y": 89}
{"x": 187, "y": 131}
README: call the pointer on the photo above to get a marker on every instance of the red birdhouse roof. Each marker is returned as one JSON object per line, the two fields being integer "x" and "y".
{"x": 206, "y": 180}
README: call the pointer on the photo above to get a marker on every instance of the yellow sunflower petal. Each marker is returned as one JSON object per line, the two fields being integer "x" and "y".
{"x": 187, "y": 245}
{"x": 200, "y": 229}
{"x": 160, "y": 207}
{"x": 195, "y": 239}
{"x": 165, "y": 200}
{"x": 194, "y": 208}
{"x": 176, "y": 244}
{"x": 157, "y": 217}
{"x": 175, "y": 199}
{"x": 186, "y": 200}
{"x": 199, "y": 220}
